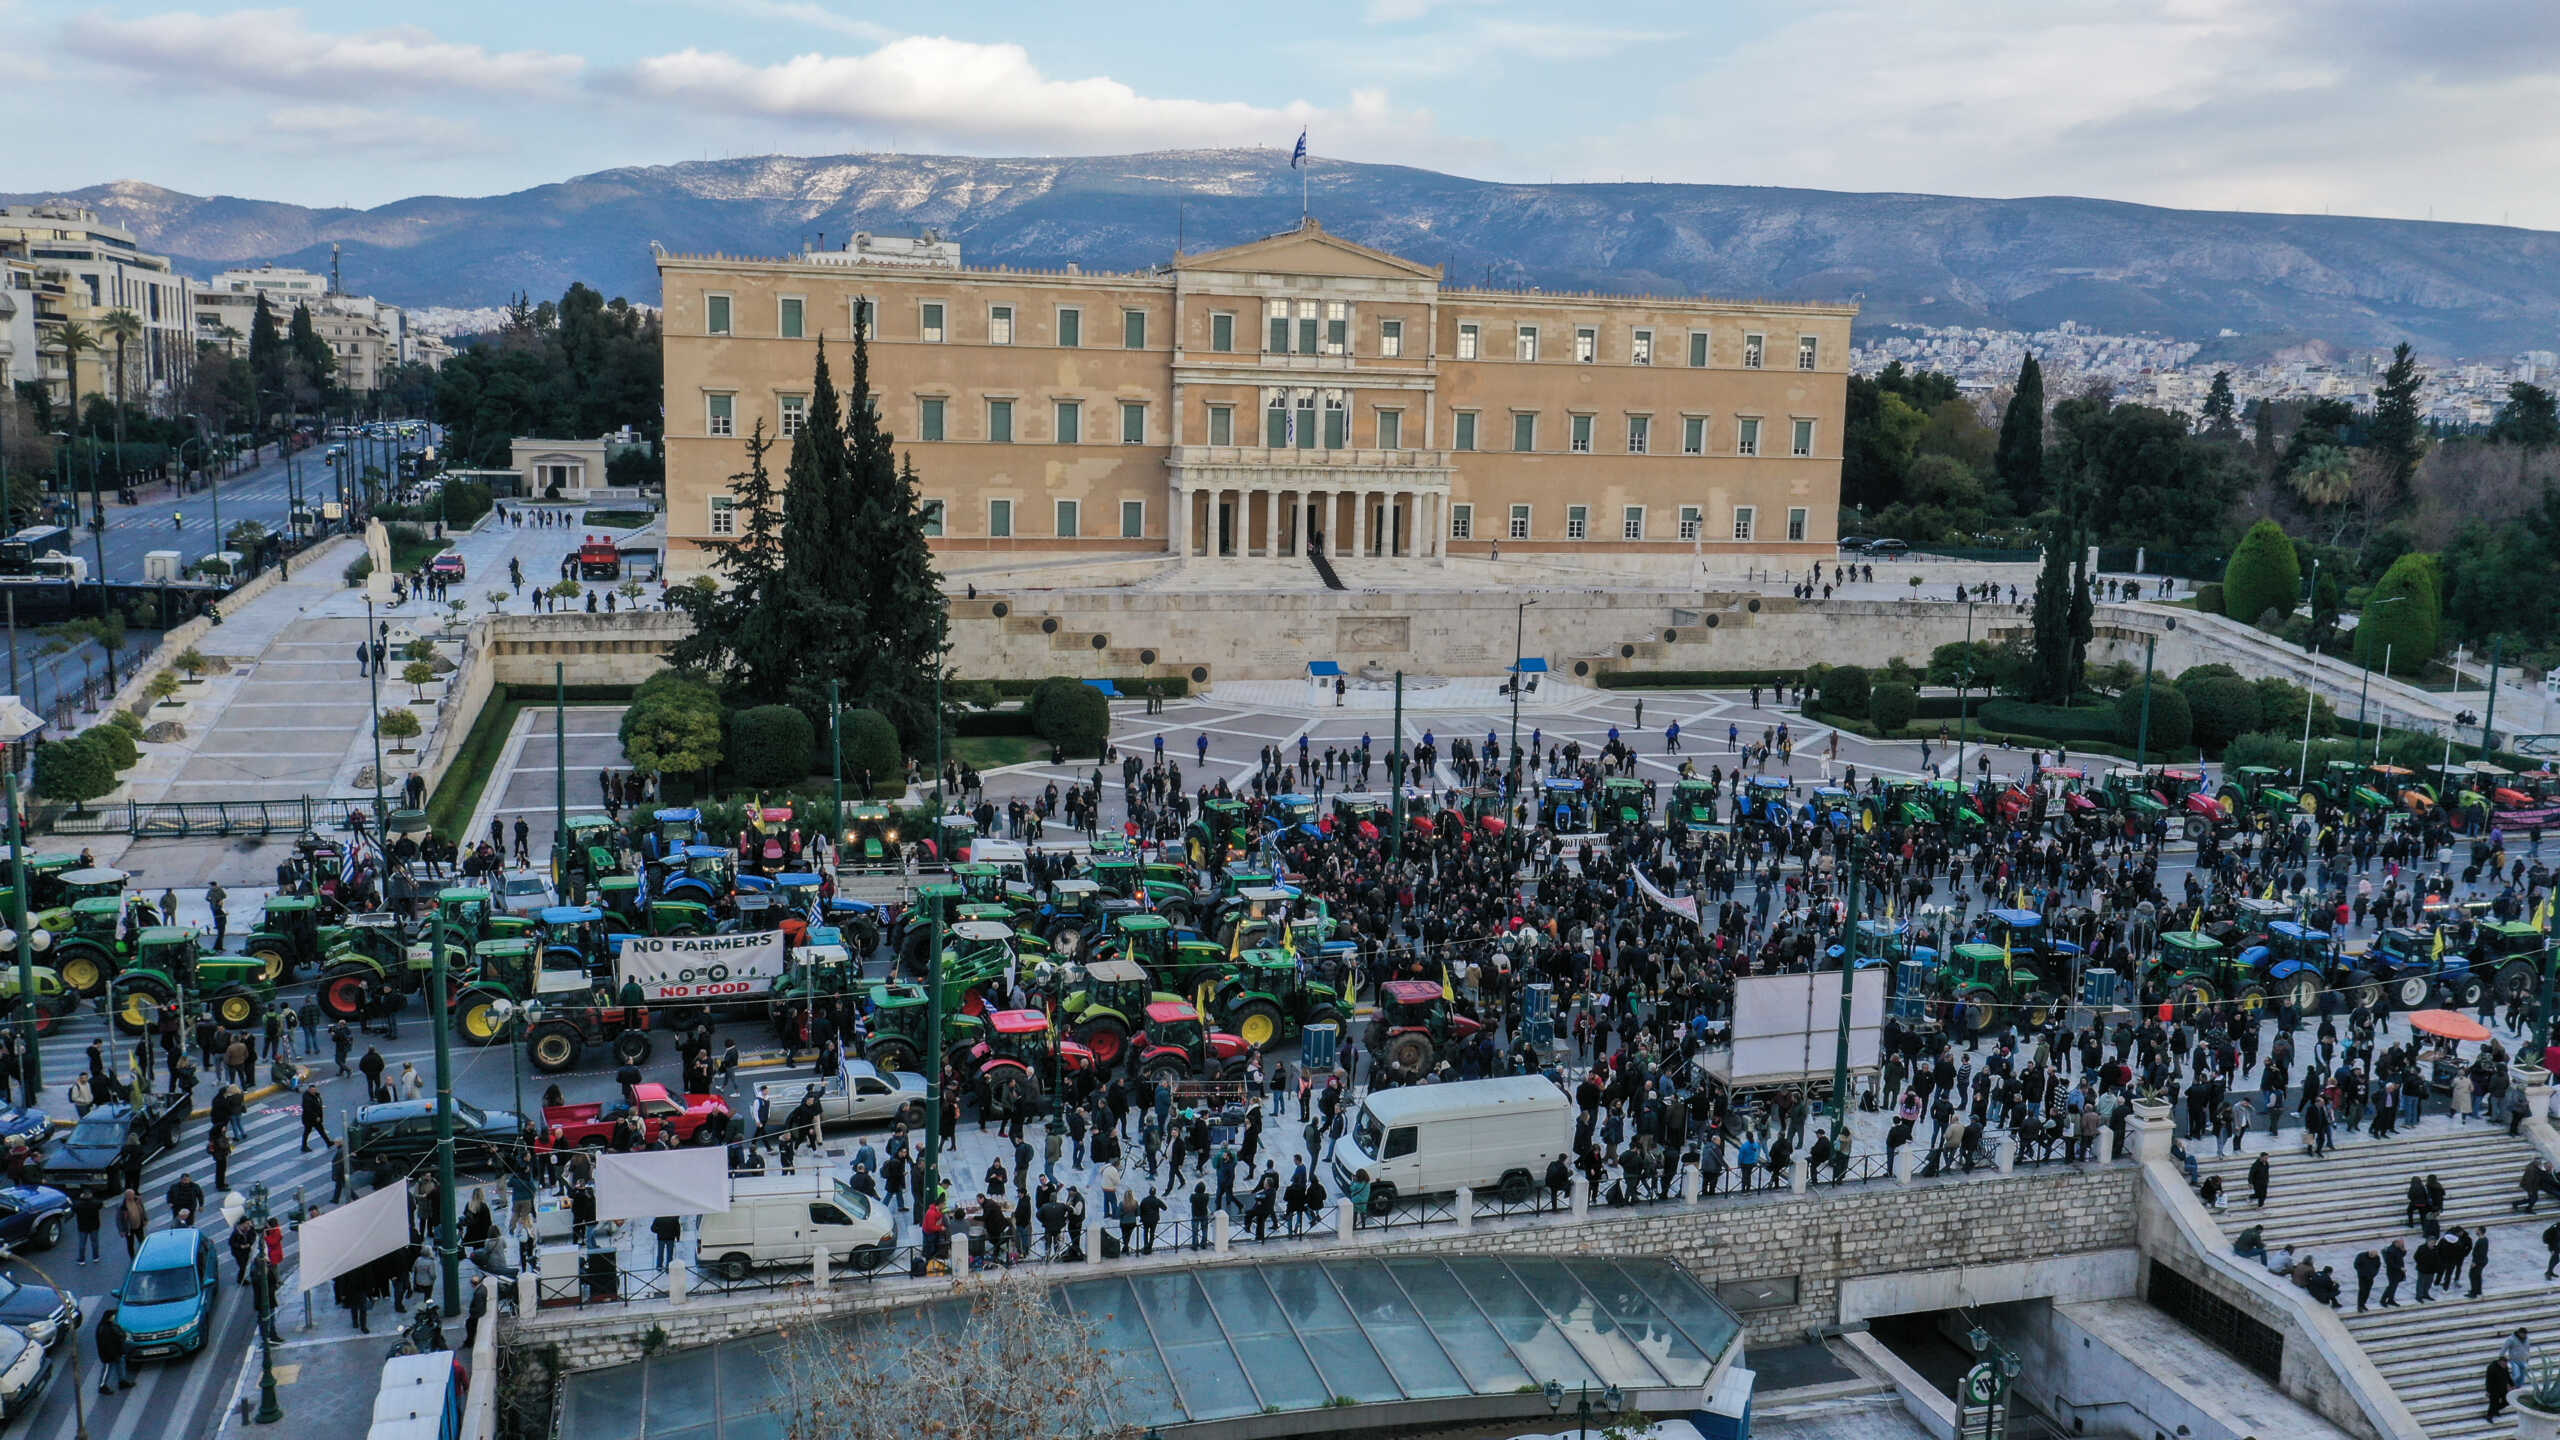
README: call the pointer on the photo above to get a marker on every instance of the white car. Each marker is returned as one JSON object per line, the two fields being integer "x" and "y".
{"x": 526, "y": 893}
{"x": 858, "y": 1095}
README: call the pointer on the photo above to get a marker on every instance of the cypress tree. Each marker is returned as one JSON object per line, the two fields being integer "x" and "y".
{"x": 2018, "y": 460}
{"x": 823, "y": 627}
{"x": 741, "y": 632}
{"x": 891, "y": 560}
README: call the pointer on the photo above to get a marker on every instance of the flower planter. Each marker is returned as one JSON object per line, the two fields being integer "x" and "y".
{"x": 2532, "y": 1421}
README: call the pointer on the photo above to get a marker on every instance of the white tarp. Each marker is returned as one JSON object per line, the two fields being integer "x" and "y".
{"x": 647, "y": 1183}
{"x": 700, "y": 967}
{"x": 1685, "y": 906}
{"x": 1786, "y": 1025}
{"x": 354, "y": 1234}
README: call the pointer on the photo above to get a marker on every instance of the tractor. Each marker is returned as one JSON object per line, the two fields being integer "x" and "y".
{"x": 514, "y": 971}
{"x": 1901, "y": 802}
{"x": 1295, "y": 812}
{"x": 1951, "y": 806}
{"x": 2511, "y": 955}
{"x": 1692, "y": 810}
{"x": 2126, "y": 794}
{"x": 290, "y": 935}
{"x": 2342, "y": 786}
{"x": 2410, "y": 959}
{"x": 857, "y": 923}
{"x": 2198, "y": 973}
{"x": 1256, "y": 911}
{"x": 1075, "y": 916}
{"x": 1625, "y": 802}
{"x": 1883, "y": 942}
{"x": 1765, "y": 798}
{"x": 48, "y": 897}
{"x": 558, "y": 1041}
{"x": 1177, "y": 963}
{"x": 1414, "y": 1025}
{"x": 1161, "y": 888}
{"x": 1562, "y": 807}
{"x": 167, "y": 966}
{"x": 593, "y": 851}
{"x": 2294, "y": 962}
{"x": 2256, "y": 790}
{"x": 2004, "y": 799}
{"x": 1177, "y": 1046}
{"x": 1991, "y": 984}
{"x": 896, "y": 1039}
{"x": 2025, "y": 935}
{"x": 1831, "y": 805}
{"x": 871, "y": 838}
{"x": 94, "y": 949}
{"x": 1269, "y": 999}
{"x": 1219, "y": 832}
{"x": 1019, "y": 1061}
{"x": 464, "y": 917}
{"x": 676, "y": 830}
{"x": 705, "y": 874}
{"x": 1105, "y": 1003}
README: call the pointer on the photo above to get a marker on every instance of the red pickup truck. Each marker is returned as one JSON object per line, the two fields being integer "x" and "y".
{"x": 568, "y": 1127}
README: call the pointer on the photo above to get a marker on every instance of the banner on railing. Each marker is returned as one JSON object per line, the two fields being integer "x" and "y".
{"x": 702, "y": 967}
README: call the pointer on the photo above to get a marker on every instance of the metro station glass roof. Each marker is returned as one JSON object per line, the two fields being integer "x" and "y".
{"x": 1219, "y": 1342}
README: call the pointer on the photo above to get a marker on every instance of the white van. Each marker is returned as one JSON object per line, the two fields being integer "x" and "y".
{"x": 783, "y": 1219}
{"x": 1489, "y": 1135}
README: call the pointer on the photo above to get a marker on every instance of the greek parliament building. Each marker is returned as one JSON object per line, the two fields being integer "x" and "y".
{"x": 1247, "y": 403}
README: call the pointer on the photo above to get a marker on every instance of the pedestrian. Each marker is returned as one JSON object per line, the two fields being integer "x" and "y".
{"x": 2259, "y": 1174}
{"x": 89, "y": 1209}
{"x": 312, "y": 1119}
{"x": 113, "y": 1374}
{"x": 2368, "y": 1267}
{"x": 2395, "y": 1268}
{"x": 2497, "y": 1380}
{"x": 132, "y": 1221}
{"x": 668, "y": 1229}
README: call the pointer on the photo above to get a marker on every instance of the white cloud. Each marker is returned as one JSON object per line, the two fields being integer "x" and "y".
{"x": 1480, "y": 41}
{"x": 357, "y": 128}
{"x": 275, "y": 52}
{"x": 807, "y": 14}
{"x": 1398, "y": 12}
{"x": 928, "y": 89}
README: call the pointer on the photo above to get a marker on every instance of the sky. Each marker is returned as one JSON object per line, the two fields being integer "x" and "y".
{"x": 2410, "y": 109}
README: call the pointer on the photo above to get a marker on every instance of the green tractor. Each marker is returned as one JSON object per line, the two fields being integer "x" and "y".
{"x": 593, "y": 851}
{"x": 464, "y": 918}
{"x": 622, "y": 896}
{"x": 1692, "y": 809}
{"x": 1161, "y": 888}
{"x": 94, "y": 948}
{"x": 1900, "y": 802}
{"x": 2256, "y": 790}
{"x": 1178, "y": 964}
{"x": 1269, "y": 1000}
{"x": 515, "y": 971}
{"x": 2126, "y": 794}
{"x": 1951, "y": 805}
{"x": 2508, "y": 956}
{"x": 167, "y": 965}
{"x": 53, "y": 999}
{"x": 48, "y": 897}
{"x": 2197, "y": 973}
{"x": 1625, "y": 802}
{"x": 1106, "y": 1003}
{"x": 1992, "y": 985}
{"x": 2342, "y": 786}
{"x": 898, "y": 1013}
{"x": 871, "y": 838}
{"x": 1218, "y": 832}
{"x": 290, "y": 935}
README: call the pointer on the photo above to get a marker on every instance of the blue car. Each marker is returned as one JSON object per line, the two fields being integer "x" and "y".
{"x": 32, "y": 1217}
{"x": 24, "y": 1125}
{"x": 166, "y": 1302}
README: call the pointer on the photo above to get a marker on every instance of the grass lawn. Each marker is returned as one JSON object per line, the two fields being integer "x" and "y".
{"x": 618, "y": 519}
{"x": 986, "y": 752}
{"x": 408, "y": 554}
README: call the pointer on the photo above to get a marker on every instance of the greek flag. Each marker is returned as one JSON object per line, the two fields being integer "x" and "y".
{"x": 352, "y": 863}
{"x": 1299, "y": 155}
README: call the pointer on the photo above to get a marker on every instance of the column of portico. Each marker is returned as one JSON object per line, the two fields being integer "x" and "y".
{"x": 1271, "y": 524}
{"x": 1360, "y": 524}
{"x": 1177, "y": 533}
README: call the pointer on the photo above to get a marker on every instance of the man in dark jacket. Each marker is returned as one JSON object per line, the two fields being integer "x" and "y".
{"x": 2395, "y": 1268}
{"x": 2259, "y": 1174}
{"x": 113, "y": 1375}
{"x": 2368, "y": 1266}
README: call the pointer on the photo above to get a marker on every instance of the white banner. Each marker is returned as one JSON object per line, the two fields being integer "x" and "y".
{"x": 1787, "y": 1025}
{"x": 1685, "y": 906}
{"x": 356, "y": 1233}
{"x": 644, "y": 1184}
{"x": 701, "y": 967}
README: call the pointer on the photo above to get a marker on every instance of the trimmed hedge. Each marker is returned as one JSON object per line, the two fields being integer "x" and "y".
{"x": 1892, "y": 706}
{"x": 1071, "y": 715}
{"x": 1693, "y": 679}
{"x": 2222, "y": 708}
{"x": 2054, "y": 722}
{"x": 770, "y": 745}
{"x": 1844, "y": 690}
{"x": 871, "y": 743}
{"x": 2171, "y": 725}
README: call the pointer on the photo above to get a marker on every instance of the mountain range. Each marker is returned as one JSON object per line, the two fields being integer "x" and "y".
{"x": 2465, "y": 290}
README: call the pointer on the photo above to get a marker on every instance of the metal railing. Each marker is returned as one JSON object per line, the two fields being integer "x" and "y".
{"x": 173, "y": 819}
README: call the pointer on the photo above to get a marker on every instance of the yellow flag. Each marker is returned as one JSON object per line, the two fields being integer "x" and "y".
{"x": 2022, "y": 897}
{"x": 1235, "y": 941}
{"x": 2195, "y": 922}
{"x": 2542, "y": 914}
{"x": 1867, "y": 821}
{"x": 1888, "y": 910}
{"x": 2271, "y": 891}
{"x": 2437, "y": 952}
{"x": 1447, "y": 991}
{"x": 2008, "y": 955}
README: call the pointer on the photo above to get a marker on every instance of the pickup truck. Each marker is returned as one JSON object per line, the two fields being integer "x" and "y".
{"x": 592, "y": 1124}
{"x": 860, "y": 1094}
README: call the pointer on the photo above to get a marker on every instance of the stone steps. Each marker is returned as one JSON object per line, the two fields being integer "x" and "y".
{"x": 2355, "y": 1196}
{"x": 2433, "y": 1354}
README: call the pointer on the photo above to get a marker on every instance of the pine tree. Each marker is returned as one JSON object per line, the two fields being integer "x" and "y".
{"x": 824, "y": 629}
{"x": 2394, "y": 434}
{"x": 2018, "y": 460}
{"x": 740, "y": 632}
{"x": 892, "y": 561}
{"x": 2221, "y": 413}
{"x": 2049, "y": 665}
{"x": 266, "y": 358}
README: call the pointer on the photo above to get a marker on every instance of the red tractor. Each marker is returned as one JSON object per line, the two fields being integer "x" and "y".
{"x": 1414, "y": 1023}
{"x": 1021, "y": 1061}
{"x": 1177, "y": 1046}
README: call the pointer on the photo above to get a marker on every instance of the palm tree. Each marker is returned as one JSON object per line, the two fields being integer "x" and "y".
{"x": 72, "y": 339}
{"x": 123, "y": 327}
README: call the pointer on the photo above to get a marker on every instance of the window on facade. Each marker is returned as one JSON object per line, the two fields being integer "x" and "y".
{"x": 1586, "y": 345}
{"x": 794, "y": 311}
{"x": 1746, "y": 439}
{"x": 1693, "y": 434}
{"x": 1000, "y": 325}
{"x": 1801, "y": 446}
{"x": 1528, "y": 343}
{"x": 1698, "y": 349}
{"x": 1751, "y": 348}
{"x": 1222, "y": 424}
{"x": 929, "y": 322}
{"x": 1133, "y": 519}
{"x": 1390, "y": 429}
{"x": 1133, "y": 423}
{"x": 724, "y": 515}
{"x": 931, "y": 512}
{"x": 1000, "y": 421}
{"x": 795, "y": 413}
{"x": 1070, "y": 328}
{"x": 1069, "y": 513}
{"x": 1305, "y": 422}
{"x": 1577, "y": 522}
{"x": 1639, "y": 434}
{"x": 1519, "y": 522}
{"x": 1524, "y": 431}
{"x": 1307, "y": 327}
{"x": 1275, "y": 422}
{"x": 1070, "y": 422}
{"x": 1462, "y": 522}
{"x": 1000, "y": 519}
{"x": 866, "y": 318}
{"x": 1795, "y": 522}
{"x": 1640, "y": 350}
{"x": 1469, "y": 337}
{"x": 1337, "y": 327}
{"x": 1465, "y": 425}
{"x": 1277, "y": 313}
{"x": 1133, "y": 329}
{"x": 1390, "y": 339}
{"x": 1337, "y": 420}
{"x": 722, "y": 415}
{"x": 715, "y": 314}
{"x": 1692, "y": 521}
{"x": 1631, "y": 523}
{"x": 1743, "y": 517}
{"x": 1581, "y": 434}
{"x": 1808, "y": 350}
{"x": 1222, "y": 333}
{"x": 929, "y": 417}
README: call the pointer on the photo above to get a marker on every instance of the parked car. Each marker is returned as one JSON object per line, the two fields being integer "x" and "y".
{"x": 111, "y": 1141}
{"x": 447, "y": 565}
{"x": 861, "y": 1095}
{"x": 25, "y": 1125}
{"x": 166, "y": 1302}
{"x": 26, "y": 1368}
{"x": 392, "y": 1135}
{"x": 526, "y": 894}
{"x": 32, "y": 1217}
{"x": 1888, "y": 546}
{"x": 1855, "y": 542}
{"x": 44, "y": 1313}
{"x": 592, "y": 1124}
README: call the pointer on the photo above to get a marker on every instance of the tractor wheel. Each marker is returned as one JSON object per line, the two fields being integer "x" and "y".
{"x": 84, "y": 970}
{"x": 2304, "y": 992}
{"x": 2414, "y": 991}
{"x": 2197, "y": 829}
{"x": 2191, "y": 997}
{"x": 861, "y": 939}
{"x": 475, "y": 1020}
{"x": 1011, "y": 1092}
{"x": 138, "y": 1001}
{"x": 1106, "y": 1037}
{"x": 2515, "y": 979}
{"x": 2462, "y": 992}
{"x": 235, "y": 1007}
{"x": 342, "y": 990}
{"x": 1258, "y": 1022}
{"x": 892, "y": 1054}
{"x": 2253, "y": 1000}
{"x": 1066, "y": 941}
{"x": 1231, "y": 1071}
{"x": 275, "y": 964}
{"x": 45, "y": 1019}
{"x": 1166, "y": 1071}
{"x": 1176, "y": 913}
{"x": 554, "y": 1046}
{"x": 913, "y": 952}
{"x": 1409, "y": 1052}
{"x": 632, "y": 1047}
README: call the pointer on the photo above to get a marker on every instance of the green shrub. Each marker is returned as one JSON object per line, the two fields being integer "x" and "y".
{"x": 2171, "y": 724}
{"x": 1071, "y": 715}
{"x": 2053, "y": 722}
{"x": 1892, "y": 706}
{"x": 2209, "y": 598}
{"x": 871, "y": 744}
{"x": 77, "y": 770}
{"x": 2403, "y": 616}
{"x": 2220, "y": 708}
{"x": 2201, "y": 672}
{"x": 2280, "y": 705}
{"x": 769, "y": 746}
{"x": 2264, "y": 573}
{"x": 1691, "y": 679}
{"x": 673, "y": 725}
{"x": 116, "y": 743}
{"x": 125, "y": 720}
{"x": 1005, "y": 720}
{"x": 1844, "y": 691}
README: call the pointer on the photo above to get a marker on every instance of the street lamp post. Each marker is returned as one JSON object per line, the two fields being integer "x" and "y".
{"x": 1519, "y": 634}
{"x": 374, "y": 675}
{"x": 1964, "y": 693}
{"x": 2150, "y": 648}
{"x": 270, "y": 1410}
{"x": 1611, "y": 1399}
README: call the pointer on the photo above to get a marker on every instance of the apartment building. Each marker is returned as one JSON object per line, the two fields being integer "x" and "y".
{"x": 102, "y": 270}
{"x": 1250, "y": 402}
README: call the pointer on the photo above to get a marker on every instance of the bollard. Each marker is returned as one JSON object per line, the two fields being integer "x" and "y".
{"x": 1221, "y": 1230}
{"x": 1799, "y": 1176}
{"x": 1344, "y": 1222}
{"x": 528, "y": 1291}
{"x": 2004, "y": 1153}
{"x": 679, "y": 1281}
{"x": 1093, "y": 1242}
{"x": 1902, "y": 1166}
{"x": 818, "y": 1267}
{"x": 2106, "y": 1143}
{"x": 1581, "y": 1197}
{"x": 959, "y": 1254}
{"x": 1466, "y": 1208}
{"x": 1689, "y": 1182}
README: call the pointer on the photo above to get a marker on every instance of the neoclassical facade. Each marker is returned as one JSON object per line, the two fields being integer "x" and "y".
{"x": 1248, "y": 403}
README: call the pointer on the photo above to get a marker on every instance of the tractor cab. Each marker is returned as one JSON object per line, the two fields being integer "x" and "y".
{"x": 985, "y": 884}
{"x": 512, "y": 965}
{"x": 580, "y": 932}
{"x": 2399, "y": 784}
{"x": 953, "y": 837}
{"x": 1625, "y": 801}
{"x": 1296, "y": 812}
{"x": 1105, "y": 1004}
{"x": 2128, "y": 791}
{"x": 705, "y": 873}
{"x": 1177, "y": 964}
{"x": 45, "y": 888}
{"x": 2251, "y": 918}
{"x": 2002, "y": 797}
{"x": 796, "y": 892}
{"x": 898, "y": 1015}
{"x": 1075, "y": 915}
{"x": 619, "y": 896}
{"x": 1178, "y": 1045}
{"x": 1951, "y": 805}
{"x": 92, "y": 883}
{"x": 593, "y": 851}
{"x": 1562, "y": 806}
{"x": 676, "y": 829}
{"x": 2292, "y": 960}
{"x": 1903, "y": 802}
{"x": 1831, "y": 805}
{"x": 678, "y": 917}
{"x": 2509, "y": 955}
{"x": 1256, "y": 911}
{"x": 1693, "y": 806}
{"x": 2024, "y": 933}
{"x": 871, "y": 838}
{"x": 2072, "y": 783}
{"x": 2198, "y": 972}
{"x": 2410, "y": 960}
{"x": 1219, "y": 832}
{"x": 1764, "y": 798}
{"x": 1018, "y": 1060}
{"x": 1882, "y": 942}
